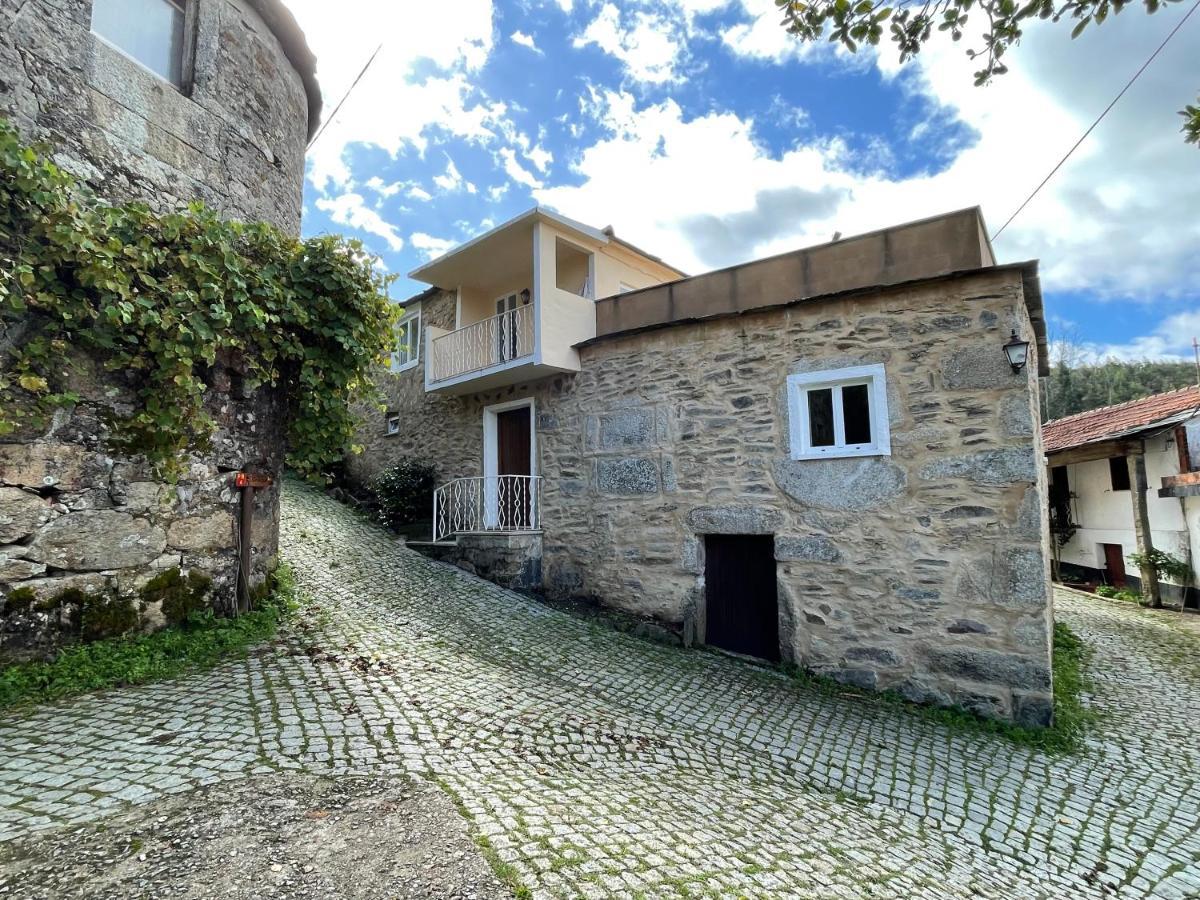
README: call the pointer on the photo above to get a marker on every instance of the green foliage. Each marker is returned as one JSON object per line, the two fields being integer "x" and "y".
{"x": 1075, "y": 389}
{"x": 1164, "y": 565}
{"x": 146, "y": 658}
{"x": 1112, "y": 593}
{"x": 106, "y": 616}
{"x": 181, "y": 597}
{"x": 404, "y": 493}
{"x": 911, "y": 26}
{"x": 160, "y": 297}
{"x": 1191, "y": 123}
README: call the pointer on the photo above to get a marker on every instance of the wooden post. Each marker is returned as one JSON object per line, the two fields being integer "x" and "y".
{"x": 1138, "y": 482}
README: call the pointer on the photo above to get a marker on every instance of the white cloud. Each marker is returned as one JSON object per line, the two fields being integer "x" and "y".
{"x": 382, "y": 188}
{"x": 525, "y": 40}
{"x": 1170, "y": 341}
{"x": 649, "y": 48}
{"x": 1118, "y": 219}
{"x": 392, "y": 108}
{"x": 452, "y": 179}
{"x": 429, "y": 246}
{"x": 516, "y": 171}
{"x": 419, "y": 193}
{"x": 350, "y": 210}
{"x": 540, "y": 157}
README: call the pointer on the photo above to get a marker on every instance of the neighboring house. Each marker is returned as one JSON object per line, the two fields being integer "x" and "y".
{"x": 823, "y": 457}
{"x": 1125, "y": 479}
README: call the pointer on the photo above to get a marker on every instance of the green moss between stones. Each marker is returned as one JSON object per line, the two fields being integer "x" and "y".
{"x": 106, "y": 616}
{"x": 181, "y": 596}
{"x": 69, "y": 597}
{"x": 20, "y": 598}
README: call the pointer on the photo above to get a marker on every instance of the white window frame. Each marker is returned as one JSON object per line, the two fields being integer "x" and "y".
{"x": 410, "y": 316}
{"x": 798, "y": 388}
{"x": 392, "y": 424}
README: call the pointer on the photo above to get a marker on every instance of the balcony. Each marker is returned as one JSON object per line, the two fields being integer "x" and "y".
{"x": 501, "y": 340}
{"x": 526, "y": 297}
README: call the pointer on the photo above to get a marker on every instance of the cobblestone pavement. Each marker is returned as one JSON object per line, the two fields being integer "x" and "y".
{"x": 600, "y": 765}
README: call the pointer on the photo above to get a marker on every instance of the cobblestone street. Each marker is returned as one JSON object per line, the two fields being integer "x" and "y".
{"x": 599, "y": 765}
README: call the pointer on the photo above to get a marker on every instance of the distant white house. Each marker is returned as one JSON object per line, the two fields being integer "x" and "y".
{"x": 1110, "y": 467}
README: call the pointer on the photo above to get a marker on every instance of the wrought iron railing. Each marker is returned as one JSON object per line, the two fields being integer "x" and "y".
{"x": 479, "y": 346}
{"x": 497, "y": 503}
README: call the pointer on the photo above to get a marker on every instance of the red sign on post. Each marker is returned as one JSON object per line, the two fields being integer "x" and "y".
{"x": 253, "y": 480}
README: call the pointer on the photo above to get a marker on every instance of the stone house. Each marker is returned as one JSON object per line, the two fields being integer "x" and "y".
{"x": 824, "y": 457}
{"x": 166, "y": 102}
{"x": 1125, "y": 479}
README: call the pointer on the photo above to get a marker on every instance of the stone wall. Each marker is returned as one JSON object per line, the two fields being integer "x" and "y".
{"x": 236, "y": 140}
{"x": 84, "y": 529}
{"x": 925, "y": 572}
{"x": 92, "y": 541}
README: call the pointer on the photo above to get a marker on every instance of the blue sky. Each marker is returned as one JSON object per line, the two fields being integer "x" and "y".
{"x": 703, "y": 132}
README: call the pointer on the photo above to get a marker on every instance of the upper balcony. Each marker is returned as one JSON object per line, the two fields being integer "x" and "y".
{"x": 526, "y": 294}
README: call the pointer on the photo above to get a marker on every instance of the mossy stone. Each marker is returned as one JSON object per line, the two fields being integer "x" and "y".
{"x": 106, "y": 616}
{"x": 20, "y": 598}
{"x": 180, "y": 595}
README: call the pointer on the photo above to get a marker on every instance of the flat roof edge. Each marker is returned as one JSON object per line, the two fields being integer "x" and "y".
{"x": 1025, "y": 268}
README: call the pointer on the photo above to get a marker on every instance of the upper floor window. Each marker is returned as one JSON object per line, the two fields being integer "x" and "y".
{"x": 408, "y": 342}
{"x": 842, "y": 412}
{"x": 149, "y": 31}
{"x": 1118, "y": 473}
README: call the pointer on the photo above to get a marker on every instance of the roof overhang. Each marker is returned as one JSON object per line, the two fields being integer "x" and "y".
{"x": 444, "y": 271}
{"x": 1134, "y": 433}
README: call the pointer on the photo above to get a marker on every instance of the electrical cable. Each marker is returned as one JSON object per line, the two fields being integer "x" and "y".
{"x": 1100, "y": 118}
{"x": 346, "y": 96}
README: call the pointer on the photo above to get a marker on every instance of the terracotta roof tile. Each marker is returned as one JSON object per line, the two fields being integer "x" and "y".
{"x": 1115, "y": 421}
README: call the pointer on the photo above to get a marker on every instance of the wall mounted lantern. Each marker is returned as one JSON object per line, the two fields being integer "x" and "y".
{"x": 1017, "y": 352}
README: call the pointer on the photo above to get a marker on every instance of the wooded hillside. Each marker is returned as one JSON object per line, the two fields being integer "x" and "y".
{"x": 1075, "y": 389}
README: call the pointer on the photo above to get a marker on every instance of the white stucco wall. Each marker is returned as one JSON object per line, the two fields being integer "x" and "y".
{"x": 1105, "y": 516}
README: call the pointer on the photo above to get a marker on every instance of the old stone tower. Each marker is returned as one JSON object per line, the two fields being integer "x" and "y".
{"x": 163, "y": 101}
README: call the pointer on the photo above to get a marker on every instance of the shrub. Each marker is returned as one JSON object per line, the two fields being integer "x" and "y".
{"x": 160, "y": 296}
{"x": 404, "y": 493}
{"x": 1164, "y": 565}
{"x": 1112, "y": 593}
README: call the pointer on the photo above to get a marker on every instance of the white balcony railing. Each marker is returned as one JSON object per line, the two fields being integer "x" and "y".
{"x": 497, "y": 503}
{"x": 479, "y": 346}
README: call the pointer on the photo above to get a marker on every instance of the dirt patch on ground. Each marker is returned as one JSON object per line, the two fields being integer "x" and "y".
{"x": 286, "y": 836}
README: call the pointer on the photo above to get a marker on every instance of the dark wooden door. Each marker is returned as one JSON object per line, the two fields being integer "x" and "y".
{"x": 513, "y": 446}
{"x": 741, "y": 595}
{"x": 1114, "y": 562}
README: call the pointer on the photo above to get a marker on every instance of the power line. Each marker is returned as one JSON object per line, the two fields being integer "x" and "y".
{"x": 346, "y": 97}
{"x": 1092, "y": 127}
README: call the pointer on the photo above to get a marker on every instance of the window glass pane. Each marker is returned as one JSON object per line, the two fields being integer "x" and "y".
{"x": 820, "y": 417}
{"x": 151, "y": 31}
{"x": 856, "y": 413}
{"x": 407, "y": 336}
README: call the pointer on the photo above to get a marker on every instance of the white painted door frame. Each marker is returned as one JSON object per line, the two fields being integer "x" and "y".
{"x": 491, "y": 454}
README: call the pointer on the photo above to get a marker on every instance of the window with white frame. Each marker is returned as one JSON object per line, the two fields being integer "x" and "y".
{"x": 842, "y": 412}
{"x": 408, "y": 342}
{"x": 393, "y": 423}
{"x": 150, "y": 32}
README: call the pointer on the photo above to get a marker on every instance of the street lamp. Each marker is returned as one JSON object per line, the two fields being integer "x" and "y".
{"x": 1017, "y": 352}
